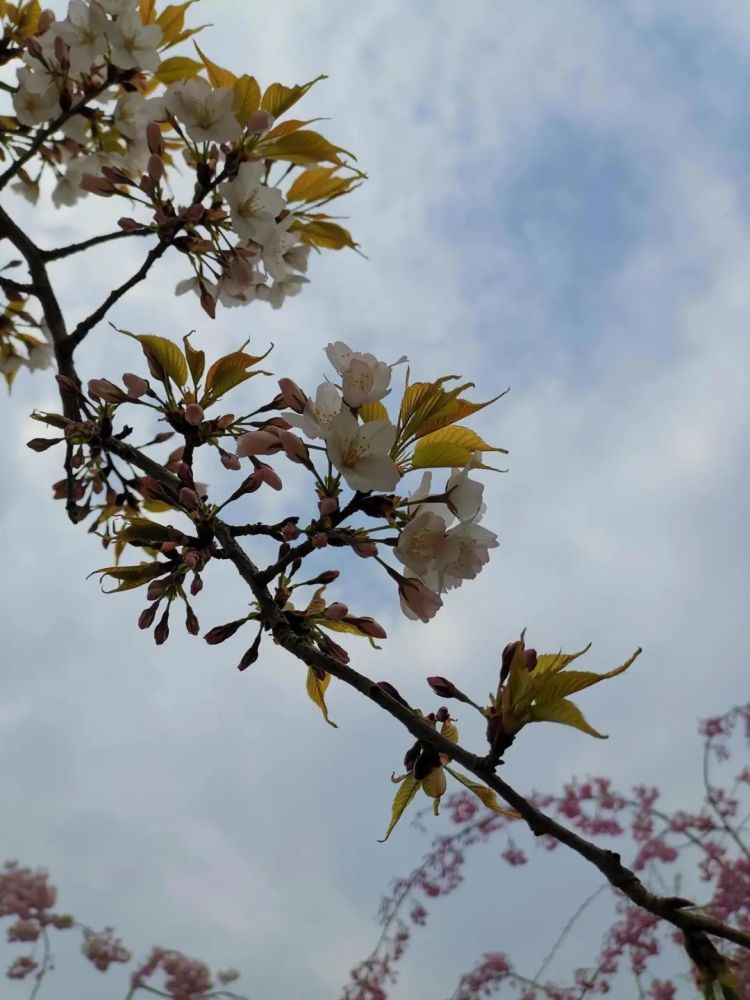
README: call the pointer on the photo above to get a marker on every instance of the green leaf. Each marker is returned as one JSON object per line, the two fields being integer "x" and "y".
{"x": 566, "y": 713}
{"x": 488, "y": 797}
{"x": 141, "y": 529}
{"x": 373, "y": 411}
{"x": 196, "y": 360}
{"x": 316, "y": 689}
{"x": 560, "y": 685}
{"x": 463, "y": 437}
{"x": 406, "y": 792}
{"x": 277, "y": 99}
{"x": 228, "y": 372}
{"x": 439, "y": 456}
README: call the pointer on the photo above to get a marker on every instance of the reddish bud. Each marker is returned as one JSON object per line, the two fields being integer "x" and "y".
{"x": 129, "y": 225}
{"x": 157, "y": 589}
{"x": 259, "y": 121}
{"x": 291, "y": 395}
{"x": 391, "y": 690}
{"x": 443, "y": 688}
{"x": 442, "y": 714}
{"x": 370, "y": 627}
{"x": 364, "y": 547}
{"x": 328, "y": 505}
{"x": 197, "y": 585}
{"x": 189, "y": 499}
{"x": 295, "y": 448}
{"x": 191, "y": 621}
{"x": 154, "y": 138}
{"x": 222, "y": 632}
{"x": 42, "y": 444}
{"x": 327, "y": 576}
{"x": 97, "y": 185}
{"x": 336, "y": 611}
{"x": 147, "y": 616}
{"x": 333, "y": 649}
{"x": 230, "y": 462}
{"x": 507, "y": 658}
{"x": 102, "y": 388}
{"x": 135, "y": 385}
{"x": 530, "y": 659}
{"x": 161, "y": 632}
{"x": 250, "y": 655}
{"x": 290, "y": 532}
{"x": 258, "y": 443}
{"x": 319, "y": 540}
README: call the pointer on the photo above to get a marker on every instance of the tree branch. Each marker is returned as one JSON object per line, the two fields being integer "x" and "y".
{"x": 59, "y": 252}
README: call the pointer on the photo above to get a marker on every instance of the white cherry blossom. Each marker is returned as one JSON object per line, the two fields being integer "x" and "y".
{"x": 474, "y": 542}
{"x": 317, "y": 417}
{"x": 84, "y": 31}
{"x": 239, "y": 283}
{"x": 276, "y": 293}
{"x": 133, "y": 44}
{"x": 280, "y": 251}
{"x": 464, "y": 494}
{"x": 117, "y": 7}
{"x": 360, "y": 452}
{"x": 424, "y": 543}
{"x": 364, "y": 379}
{"x": 33, "y": 106}
{"x": 252, "y": 205}
{"x": 133, "y": 113}
{"x": 205, "y": 112}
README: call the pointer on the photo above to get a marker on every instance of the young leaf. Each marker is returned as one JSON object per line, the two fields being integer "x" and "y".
{"x": 553, "y": 663}
{"x": 449, "y": 731}
{"x": 566, "y": 713}
{"x": 228, "y": 372}
{"x": 277, "y": 99}
{"x": 217, "y": 75}
{"x": 131, "y": 577}
{"x": 302, "y": 147}
{"x": 406, "y": 792}
{"x": 439, "y": 456}
{"x": 318, "y": 183}
{"x": 167, "y": 354}
{"x": 316, "y": 689}
{"x": 329, "y": 235}
{"x": 177, "y": 68}
{"x": 373, "y": 411}
{"x": 463, "y": 437}
{"x": 196, "y": 360}
{"x": 487, "y": 796}
{"x": 246, "y": 98}
{"x": 560, "y": 685}
{"x": 172, "y": 21}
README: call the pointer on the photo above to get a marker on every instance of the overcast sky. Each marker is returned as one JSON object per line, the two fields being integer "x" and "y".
{"x": 558, "y": 201}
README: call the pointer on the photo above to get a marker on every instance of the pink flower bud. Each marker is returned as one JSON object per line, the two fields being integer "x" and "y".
{"x": 191, "y": 621}
{"x": 417, "y": 600}
{"x": 328, "y": 505}
{"x": 291, "y": 395}
{"x": 336, "y": 611}
{"x": 442, "y": 687}
{"x": 364, "y": 547}
{"x": 290, "y": 532}
{"x": 229, "y": 461}
{"x": 161, "y": 632}
{"x": 135, "y": 385}
{"x": 194, "y": 414}
{"x": 42, "y": 444}
{"x": 269, "y": 476}
{"x": 154, "y": 138}
{"x": 259, "y": 121}
{"x": 146, "y": 619}
{"x": 189, "y": 498}
{"x": 319, "y": 540}
{"x": 197, "y": 585}
{"x": 155, "y": 167}
{"x": 372, "y": 628}
{"x": 222, "y": 632}
{"x": 102, "y": 388}
{"x": 97, "y": 185}
{"x": 258, "y": 443}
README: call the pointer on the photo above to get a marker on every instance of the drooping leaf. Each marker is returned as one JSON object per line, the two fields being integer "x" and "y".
{"x": 301, "y": 147}
{"x": 316, "y": 689}
{"x": 141, "y": 529}
{"x": 277, "y": 99}
{"x": 130, "y": 577}
{"x": 566, "y": 713}
{"x": 217, "y": 75}
{"x": 562, "y": 684}
{"x": 177, "y": 68}
{"x": 246, "y": 98}
{"x": 321, "y": 233}
{"x": 373, "y": 411}
{"x": 196, "y": 360}
{"x": 406, "y": 792}
{"x": 321, "y": 184}
{"x": 487, "y": 796}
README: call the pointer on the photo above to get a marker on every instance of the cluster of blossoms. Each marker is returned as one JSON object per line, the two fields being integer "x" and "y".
{"x": 101, "y": 108}
{"x": 28, "y": 898}
{"x": 711, "y": 839}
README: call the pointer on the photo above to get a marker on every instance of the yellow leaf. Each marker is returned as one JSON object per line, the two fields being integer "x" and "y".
{"x": 141, "y": 529}
{"x": 246, "y": 98}
{"x": 277, "y": 99}
{"x": 317, "y": 603}
{"x": 434, "y": 784}
{"x": 172, "y": 21}
{"x": 285, "y": 128}
{"x": 196, "y": 360}
{"x": 449, "y": 731}
{"x": 566, "y": 713}
{"x": 316, "y": 689}
{"x": 520, "y": 684}
{"x": 131, "y": 577}
{"x": 406, "y": 792}
{"x": 560, "y": 685}
{"x": 439, "y": 456}
{"x": 301, "y": 147}
{"x": 167, "y": 354}
{"x": 463, "y": 437}
{"x": 27, "y": 22}
{"x": 228, "y": 372}
{"x": 148, "y": 11}
{"x": 217, "y": 75}
{"x": 325, "y": 234}
{"x": 321, "y": 184}
{"x": 552, "y": 663}
{"x": 373, "y": 411}
{"x": 156, "y": 506}
{"x": 485, "y": 794}
{"x": 177, "y": 68}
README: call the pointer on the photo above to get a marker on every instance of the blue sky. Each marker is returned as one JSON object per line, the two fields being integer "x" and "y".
{"x": 558, "y": 201}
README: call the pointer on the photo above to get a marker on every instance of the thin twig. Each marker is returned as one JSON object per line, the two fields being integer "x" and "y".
{"x": 60, "y": 252}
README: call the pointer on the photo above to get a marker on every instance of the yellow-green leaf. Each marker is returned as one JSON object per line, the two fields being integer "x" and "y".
{"x": 316, "y": 689}
{"x": 556, "y": 686}
{"x": 156, "y": 506}
{"x": 277, "y": 99}
{"x": 196, "y": 360}
{"x": 488, "y": 797}
{"x": 449, "y": 731}
{"x": 285, "y": 128}
{"x": 246, "y": 98}
{"x": 320, "y": 183}
{"x": 172, "y": 21}
{"x": 406, "y": 792}
{"x": 434, "y": 784}
{"x": 166, "y": 353}
{"x": 301, "y": 147}
{"x": 439, "y": 456}
{"x": 141, "y": 529}
{"x": 463, "y": 437}
{"x": 228, "y": 372}
{"x": 177, "y": 68}
{"x": 373, "y": 411}
{"x": 453, "y": 410}
{"x": 131, "y": 577}
{"x": 566, "y": 713}
{"x": 27, "y": 22}
{"x": 217, "y": 75}
{"x": 553, "y": 663}
{"x": 320, "y": 233}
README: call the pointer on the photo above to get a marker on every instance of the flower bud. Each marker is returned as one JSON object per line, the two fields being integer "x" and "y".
{"x": 290, "y": 531}
{"x": 442, "y": 714}
{"x": 155, "y": 167}
{"x": 42, "y": 444}
{"x": 258, "y": 443}
{"x": 412, "y": 756}
{"x": 220, "y": 633}
{"x": 251, "y": 655}
{"x": 443, "y": 688}
{"x": 197, "y": 585}
{"x": 291, "y": 395}
{"x": 191, "y": 621}
{"x": 370, "y": 627}
{"x": 319, "y": 540}
{"x": 229, "y": 461}
{"x": 327, "y": 576}
{"x": 391, "y": 690}
{"x": 194, "y": 414}
{"x": 161, "y": 632}
{"x": 507, "y": 658}
{"x": 259, "y": 121}
{"x": 102, "y": 388}
{"x": 157, "y": 589}
{"x": 530, "y": 659}
{"x": 146, "y": 618}
{"x": 189, "y": 499}
{"x": 328, "y": 505}
{"x": 135, "y": 385}
{"x": 336, "y": 611}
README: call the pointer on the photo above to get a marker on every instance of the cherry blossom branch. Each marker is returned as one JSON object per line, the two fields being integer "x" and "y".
{"x": 711, "y": 799}
{"x": 59, "y": 252}
{"x": 15, "y": 287}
